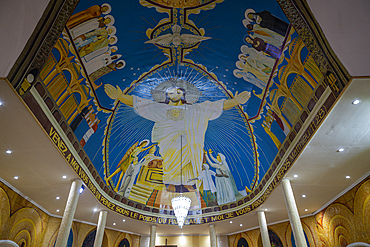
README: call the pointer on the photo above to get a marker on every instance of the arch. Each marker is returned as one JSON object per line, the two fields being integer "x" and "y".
{"x": 124, "y": 243}
{"x": 242, "y": 242}
{"x": 275, "y": 239}
{"x": 121, "y": 237}
{"x": 90, "y": 238}
{"x": 5, "y": 209}
{"x": 309, "y": 234}
{"x": 293, "y": 240}
{"x": 24, "y": 238}
{"x": 244, "y": 236}
{"x": 362, "y": 207}
{"x": 8, "y": 243}
{"x": 26, "y": 223}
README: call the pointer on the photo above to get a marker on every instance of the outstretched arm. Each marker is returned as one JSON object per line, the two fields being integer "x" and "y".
{"x": 214, "y": 165}
{"x": 213, "y": 158}
{"x": 241, "y": 98}
{"x": 116, "y": 93}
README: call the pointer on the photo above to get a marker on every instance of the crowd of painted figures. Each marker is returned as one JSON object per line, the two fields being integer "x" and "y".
{"x": 93, "y": 35}
{"x": 264, "y": 40}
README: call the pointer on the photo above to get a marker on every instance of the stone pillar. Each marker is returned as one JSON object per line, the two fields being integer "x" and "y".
{"x": 69, "y": 213}
{"x": 212, "y": 235}
{"x": 144, "y": 241}
{"x": 222, "y": 241}
{"x": 153, "y": 230}
{"x": 100, "y": 231}
{"x": 263, "y": 228}
{"x": 294, "y": 218}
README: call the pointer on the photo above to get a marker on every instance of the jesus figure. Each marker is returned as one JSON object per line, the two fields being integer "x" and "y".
{"x": 175, "y": 118}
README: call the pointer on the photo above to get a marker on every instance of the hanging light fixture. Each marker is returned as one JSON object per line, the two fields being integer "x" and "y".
{"x": 181, "y": 204}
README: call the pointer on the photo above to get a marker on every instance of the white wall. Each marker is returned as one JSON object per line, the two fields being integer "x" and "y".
{"x": 346, "y": 26}
{"x": 18, "y": 19}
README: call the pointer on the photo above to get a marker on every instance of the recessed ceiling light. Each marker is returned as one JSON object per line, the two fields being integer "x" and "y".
{"x": 231, "y": 222}
{"x": 303, "y": 195}
{"x": 329, "y": 132}
{"x": 1, "y": 103}
{"x": 241, "y": 224}
{"x": 95, "y": 209}
{"x": 16, "y": 177}
{"x": 306, "y": 210}
{"x": 114, "y": 224}
{"x": 348, "y": 177}
{"x": 356, "y": 102}
{"x": 57, "y": 210}
{"x": 124, "y": 220}
{"x": 182, "y": 233}
{"x": 341, "y": 150}
{"x": 57, "y": 198}
{"x": 8, "y": 151}
{"x": 295, "y": 175}
{"x": 64, "y": 176}
{"x": 265, "y": 209}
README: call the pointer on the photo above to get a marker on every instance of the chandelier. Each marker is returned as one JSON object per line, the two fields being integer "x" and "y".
{"x": 181, "y": 204}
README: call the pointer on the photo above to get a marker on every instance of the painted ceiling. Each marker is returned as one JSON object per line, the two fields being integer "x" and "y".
{"x": 169, "y": 97}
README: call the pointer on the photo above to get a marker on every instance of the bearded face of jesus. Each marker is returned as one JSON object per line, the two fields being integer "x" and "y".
{"x": 175, "y": 94}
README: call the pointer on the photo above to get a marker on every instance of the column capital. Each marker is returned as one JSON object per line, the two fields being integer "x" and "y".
{"x": 76, "y": 180}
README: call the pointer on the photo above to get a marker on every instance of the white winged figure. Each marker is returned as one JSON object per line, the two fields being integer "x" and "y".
{"x": 176, "y": 39}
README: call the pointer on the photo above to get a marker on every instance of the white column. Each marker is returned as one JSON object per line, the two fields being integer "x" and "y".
{"x": 294, "y": 218}
{"x": 212, "y": 235}
{"x": 263, "y": 228}
{"x": 153, "y": 230}
{"x": 69, "y": 213}
{"x": 100, "y": 231}
{"x": 144, "y": 241}
{"x": 222, "y": 241}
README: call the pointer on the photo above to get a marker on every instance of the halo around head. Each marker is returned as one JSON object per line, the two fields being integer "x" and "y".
{"x": 114, "y": 47}
{"x": 111, "y": 19}
{"x": 191, "y": 92}
{"x": 123, "y": 64}
{"x": 114, "y": 41}
{"x": 113, "y": 28}
{"x": 248, "y": 11}
{"x": 145, "y": 140}
{"x": 109, "y": 8}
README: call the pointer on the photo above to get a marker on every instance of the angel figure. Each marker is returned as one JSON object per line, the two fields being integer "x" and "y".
{"x": 176, "y": 39}
{"x": 131, "y": 157}
{"x": 225, "y": 184}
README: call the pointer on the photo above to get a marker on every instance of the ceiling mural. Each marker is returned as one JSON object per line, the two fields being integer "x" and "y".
{"x": 169, "y": 97}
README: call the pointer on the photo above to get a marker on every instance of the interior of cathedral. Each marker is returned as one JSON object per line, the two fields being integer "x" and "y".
{"x": 163, "y": 123}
